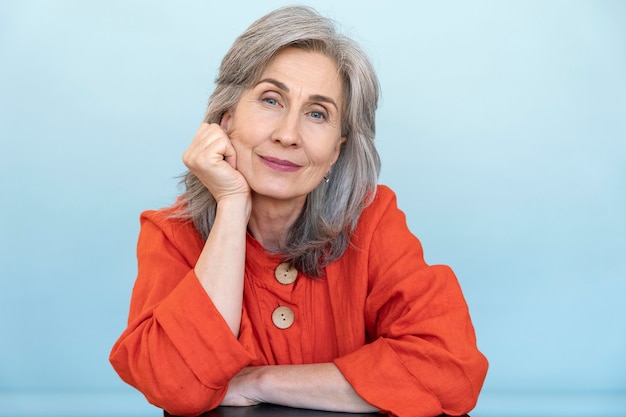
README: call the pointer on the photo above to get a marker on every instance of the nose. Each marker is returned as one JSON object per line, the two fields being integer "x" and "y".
{"x": 287, "y": 131}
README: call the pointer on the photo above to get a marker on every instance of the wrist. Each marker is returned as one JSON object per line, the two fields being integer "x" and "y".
{"x": 234, "y": 204}
{"x": 252, "y": 380}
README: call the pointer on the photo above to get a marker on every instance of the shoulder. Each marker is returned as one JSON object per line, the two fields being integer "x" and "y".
{"x": 381, "y": 217}
{"x": 384, "y": 195}
{"x": 384, "y": 202}
{"x": 165, "y": 218}
{"x": 170, "y": 222}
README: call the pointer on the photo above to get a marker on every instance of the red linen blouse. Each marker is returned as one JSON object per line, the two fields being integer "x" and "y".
{"x": 398, "y": 329}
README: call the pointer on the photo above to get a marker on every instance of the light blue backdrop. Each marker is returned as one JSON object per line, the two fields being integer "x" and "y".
{"x": 502, "y": 128}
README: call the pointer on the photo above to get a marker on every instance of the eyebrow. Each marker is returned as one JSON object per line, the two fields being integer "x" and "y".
{"x": 283, "y": 86}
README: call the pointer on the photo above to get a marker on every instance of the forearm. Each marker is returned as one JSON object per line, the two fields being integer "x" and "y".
{"x": 220, "y": 267}
{"x": 314, "y": 386}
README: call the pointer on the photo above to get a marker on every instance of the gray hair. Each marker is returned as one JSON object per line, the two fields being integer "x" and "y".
{"x": 323, "y": 230}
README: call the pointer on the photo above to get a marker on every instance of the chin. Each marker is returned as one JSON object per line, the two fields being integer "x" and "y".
{"x": 278, "y": 192}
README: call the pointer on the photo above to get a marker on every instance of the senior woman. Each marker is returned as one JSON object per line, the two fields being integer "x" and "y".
{"x": 284, "y": 273}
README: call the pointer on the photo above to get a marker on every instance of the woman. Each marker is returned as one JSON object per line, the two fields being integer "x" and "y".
{"x": 284, "y": 274}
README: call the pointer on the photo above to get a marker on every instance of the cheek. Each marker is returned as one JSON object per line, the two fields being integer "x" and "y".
{"x": 246, "y": 135}
{"x": 244, "y": 142}
{"x": 324, "y": 156}
{"x": 239, "y": 139}
{"x": 242, "y": 153}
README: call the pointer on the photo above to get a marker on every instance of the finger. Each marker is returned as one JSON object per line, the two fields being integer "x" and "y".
{"x": 208, "y": 138}
{"x": 231, "y": 157}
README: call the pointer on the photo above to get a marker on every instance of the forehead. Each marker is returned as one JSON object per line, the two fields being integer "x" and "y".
{"x": 311, "y": 71}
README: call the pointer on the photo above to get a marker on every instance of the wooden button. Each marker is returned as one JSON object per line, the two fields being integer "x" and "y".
{"x": 285, "y": 273}
{"x": 283, "y": 317}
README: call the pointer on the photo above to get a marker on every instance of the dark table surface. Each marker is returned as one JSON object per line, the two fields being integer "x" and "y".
{"x": 271, "y": 410}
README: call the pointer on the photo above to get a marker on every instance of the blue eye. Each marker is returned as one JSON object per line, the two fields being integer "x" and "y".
{"x": 271, "y": 101}
{"x": 317, "y": 115}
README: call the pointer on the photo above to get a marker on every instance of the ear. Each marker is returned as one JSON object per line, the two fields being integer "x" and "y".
{"x": 340, "y": 143}
{"x": 226, "y": 119}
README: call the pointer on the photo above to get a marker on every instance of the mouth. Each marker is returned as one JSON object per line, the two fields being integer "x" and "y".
{"x": 281, "y": 165}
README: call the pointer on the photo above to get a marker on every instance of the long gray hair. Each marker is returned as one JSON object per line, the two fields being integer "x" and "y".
{"x": 323, "y": 230}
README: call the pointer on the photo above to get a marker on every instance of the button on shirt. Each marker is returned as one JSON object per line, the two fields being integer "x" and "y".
{"x": 289, "y": 311}
{"x": 285, "y": 273}
{"x": 283, "y": 317}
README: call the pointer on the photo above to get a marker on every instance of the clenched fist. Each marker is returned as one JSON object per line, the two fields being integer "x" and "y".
{"x": 212, "y": 158}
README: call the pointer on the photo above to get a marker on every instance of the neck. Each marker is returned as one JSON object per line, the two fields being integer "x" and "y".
{"x": 271, "y": 219}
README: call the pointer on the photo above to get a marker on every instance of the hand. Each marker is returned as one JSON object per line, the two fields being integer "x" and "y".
{"x": 317, "y": 386}
{"x": 240, "y": 388}
{"x": 212, "y": 158}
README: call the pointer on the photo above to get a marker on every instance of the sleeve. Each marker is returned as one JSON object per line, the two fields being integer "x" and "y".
{"x": 423, "y": 359}
{"x": 177, "y": 349}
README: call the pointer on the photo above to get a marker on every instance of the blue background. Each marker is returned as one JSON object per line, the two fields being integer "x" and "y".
{"x": 502, "y": 129}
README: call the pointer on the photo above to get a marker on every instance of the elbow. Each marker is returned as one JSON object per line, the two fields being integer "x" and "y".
{"x": 180, "y": 406}
{"x": 177, "y": 395}
{"x": 179, "y": 400}
{"x": 464, "y": 396}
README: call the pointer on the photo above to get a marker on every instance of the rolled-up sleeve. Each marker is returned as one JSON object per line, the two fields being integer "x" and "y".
{"x": 177, "y": 349}
{"x": 421, "y": 358}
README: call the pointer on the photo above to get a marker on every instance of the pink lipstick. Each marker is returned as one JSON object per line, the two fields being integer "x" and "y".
{"x": 280, "y": 164}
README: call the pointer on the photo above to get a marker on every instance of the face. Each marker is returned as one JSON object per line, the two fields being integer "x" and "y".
{"x": 286, "y": 128}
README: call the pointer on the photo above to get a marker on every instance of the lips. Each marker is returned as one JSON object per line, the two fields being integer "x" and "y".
{"x": 281, "y": 165}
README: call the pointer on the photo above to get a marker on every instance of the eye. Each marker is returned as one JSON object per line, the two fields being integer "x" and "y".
{"x": 270, "y": 101}
{"x": 318, "y": 115}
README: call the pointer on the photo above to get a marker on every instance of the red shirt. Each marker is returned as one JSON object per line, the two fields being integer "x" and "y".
{"x": 398, "y": 329}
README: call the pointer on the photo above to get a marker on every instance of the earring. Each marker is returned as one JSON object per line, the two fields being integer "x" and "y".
{"x": 326, "y": 179}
